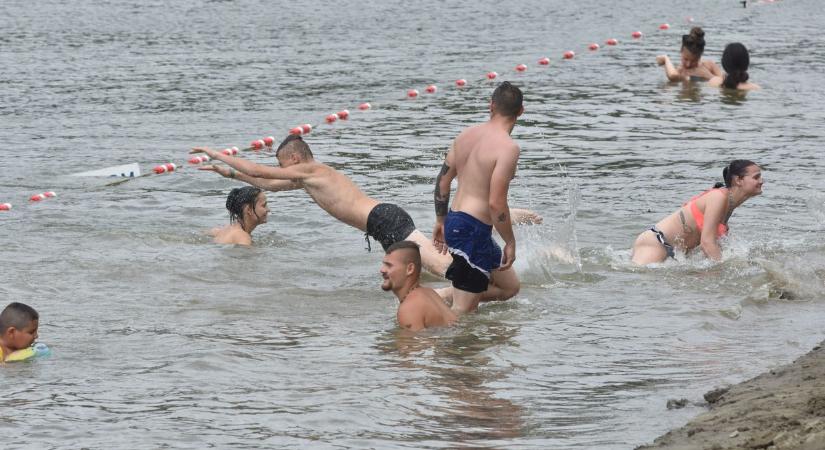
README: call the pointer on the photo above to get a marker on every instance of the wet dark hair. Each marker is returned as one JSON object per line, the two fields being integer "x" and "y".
{"x": 17, "y": 315}
{"x": 294, "y": 144}
{"x": 736, "y": 168}
{"x": 695, "y": 41}
{"x": 237, "y": 199}
{"x": 408, "y": 245}
{"x": 507, "y": 100}
{"x": 735, "y": 61}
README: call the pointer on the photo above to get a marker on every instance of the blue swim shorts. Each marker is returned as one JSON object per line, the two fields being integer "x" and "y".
{"x": 475, "y": 253}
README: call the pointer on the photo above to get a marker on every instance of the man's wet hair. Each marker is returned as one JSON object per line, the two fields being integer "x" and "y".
{"x": 17, "y": 315}
{"x": 237, "y": 199}
{"x": 294, "y": 144}
{"x": 507, "y": 100}
{"x": 415, "y": 254}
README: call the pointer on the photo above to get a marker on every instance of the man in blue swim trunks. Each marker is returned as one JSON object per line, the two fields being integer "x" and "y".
{"x": 483, "y": 158}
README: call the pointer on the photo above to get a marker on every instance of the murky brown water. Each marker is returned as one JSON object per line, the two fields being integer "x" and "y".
{"x": 162, "y": 339}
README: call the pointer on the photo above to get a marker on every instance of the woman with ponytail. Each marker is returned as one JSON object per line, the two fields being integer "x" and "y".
{"x": 735, "y": 61}
{"x": 703, "y": 219}
{"x": 247, "y": 209}
{"x": 693, "y": 67}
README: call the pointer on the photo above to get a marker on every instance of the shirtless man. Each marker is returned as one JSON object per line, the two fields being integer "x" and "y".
{"x": 336, "y": 194}
{"x": 483, "y": 158}
{"x": 419, "y": 307}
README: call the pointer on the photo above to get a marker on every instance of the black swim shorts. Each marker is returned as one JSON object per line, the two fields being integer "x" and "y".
{"x": 388, "y": 224}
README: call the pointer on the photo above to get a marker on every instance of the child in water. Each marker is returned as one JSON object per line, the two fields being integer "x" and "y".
{"x": 247, "y": 209}
{"x": 18, "y": 328}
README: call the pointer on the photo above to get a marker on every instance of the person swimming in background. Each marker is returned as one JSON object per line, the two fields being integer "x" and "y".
{"x": 18, "y": 328}
{"x": 693, "y": 67}
{"x": 703, "y": 219}
{"x": 247, "y": 209}
{"x": 419, "y": 307}
{"x": 735, "y": 61}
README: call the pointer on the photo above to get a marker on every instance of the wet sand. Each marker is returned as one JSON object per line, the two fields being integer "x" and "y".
{"x": 781, "y": 409}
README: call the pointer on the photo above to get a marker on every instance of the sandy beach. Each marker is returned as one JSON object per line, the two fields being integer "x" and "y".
{"x": 781, "y": 409}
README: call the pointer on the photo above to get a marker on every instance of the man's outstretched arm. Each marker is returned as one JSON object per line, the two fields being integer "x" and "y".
{"x": 266, "y": 184}
{"x": 250, "y": 168}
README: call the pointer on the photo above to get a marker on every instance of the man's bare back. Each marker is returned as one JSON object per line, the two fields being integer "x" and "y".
{"x": 335, "y": 193}
{"x": 477, "y": 152}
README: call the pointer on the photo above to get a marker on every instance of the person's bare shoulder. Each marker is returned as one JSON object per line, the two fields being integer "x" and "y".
{"x": 509, "y": 150}
{"x": 311, "y": 173}
{"x": 716, "y": 198}
{"x": 411, "y": 312}
{"x": 243, "y": 239}
{"x": 463, "y": 136}
{"x": 716, "y": 81}
{"x": 439, "y": 312}
{"x": 233, "y": 236}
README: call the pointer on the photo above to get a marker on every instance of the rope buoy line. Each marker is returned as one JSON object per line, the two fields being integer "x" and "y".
{"x": 266, "y": 143}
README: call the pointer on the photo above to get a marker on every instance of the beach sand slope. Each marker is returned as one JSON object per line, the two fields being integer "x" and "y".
{"x": 781, "y": 409}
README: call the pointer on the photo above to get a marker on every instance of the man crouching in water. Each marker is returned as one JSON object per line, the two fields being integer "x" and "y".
{"x": 419, "y": 307}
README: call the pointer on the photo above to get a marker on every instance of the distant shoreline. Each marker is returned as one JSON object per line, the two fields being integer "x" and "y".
{"x": 783, "y": 408}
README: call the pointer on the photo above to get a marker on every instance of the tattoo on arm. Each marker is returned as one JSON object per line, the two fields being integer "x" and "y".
{"x": 502, "y": 217}
{"x": 442, "y": 201}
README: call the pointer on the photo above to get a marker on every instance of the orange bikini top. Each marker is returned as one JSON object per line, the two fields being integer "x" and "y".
{"x": 699, "y": 217}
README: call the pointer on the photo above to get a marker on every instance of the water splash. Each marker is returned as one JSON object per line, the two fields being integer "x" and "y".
{"x": 792, "y": 278}
{"x": 553, "y": 247}
{"x": 816, "y": 203}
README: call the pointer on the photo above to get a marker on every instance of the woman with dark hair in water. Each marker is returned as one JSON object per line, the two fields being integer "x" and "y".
{"x": 735, "y": 61}
{"x": 247, "y": 209}
{"x": 693, "y": 67}
{"x": 703, "y": 219}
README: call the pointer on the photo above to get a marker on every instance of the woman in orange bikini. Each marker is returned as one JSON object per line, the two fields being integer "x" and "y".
{"x": 703, "y": 219}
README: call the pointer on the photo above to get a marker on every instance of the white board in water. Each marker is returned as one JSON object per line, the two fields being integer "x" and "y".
{"x": 126, "y": 171}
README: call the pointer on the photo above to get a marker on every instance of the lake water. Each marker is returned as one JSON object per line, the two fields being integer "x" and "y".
{"x": 162, "y": 339}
